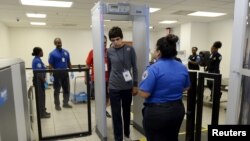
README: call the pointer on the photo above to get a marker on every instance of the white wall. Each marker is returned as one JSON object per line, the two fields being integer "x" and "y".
{"x": 185, "y": 36}
{"x": 77, "y": 42}
{"x": 199, "y": 36}
{"x": 222, "y": 31}
{"x": 4, "y": 41}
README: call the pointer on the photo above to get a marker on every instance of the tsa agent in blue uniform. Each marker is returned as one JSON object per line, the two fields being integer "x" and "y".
{"x": 162, "y": 87}
{"x": 214, "y": 63}
{"x": 37, "y": 64}
{"x": 59, "y": 58}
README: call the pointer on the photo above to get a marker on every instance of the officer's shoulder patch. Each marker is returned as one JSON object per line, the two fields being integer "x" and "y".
{"x": 145, "y": 75}
{"x": 39, "y": 65}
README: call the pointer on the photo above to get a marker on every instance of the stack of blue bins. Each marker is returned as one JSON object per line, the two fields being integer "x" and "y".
{"x": 79, "y": 97}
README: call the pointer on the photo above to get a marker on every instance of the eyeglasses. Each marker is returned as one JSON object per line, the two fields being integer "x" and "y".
{"x": 115, "y": 39}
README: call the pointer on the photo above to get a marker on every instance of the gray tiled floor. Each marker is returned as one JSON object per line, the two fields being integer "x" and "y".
{"x": 75, "y": 120}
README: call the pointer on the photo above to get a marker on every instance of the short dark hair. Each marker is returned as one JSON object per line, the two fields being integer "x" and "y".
{"x": 217, "y": 44}
{"x": 167, "y": 46}
{"x": 195, "y": 48}
{"x": 115, "y": 32}
{"x": 57, "y": 38}
{"x": 36, "y": 51}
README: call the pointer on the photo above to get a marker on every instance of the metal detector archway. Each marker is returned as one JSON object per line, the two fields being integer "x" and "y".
{"x": 139, "y": 15}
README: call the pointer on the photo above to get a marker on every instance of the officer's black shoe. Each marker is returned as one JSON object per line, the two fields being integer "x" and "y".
{"x": 58, "y": 108}
{"x": 45, "y": 116}
{"x": 46, "y": 113}
{"x": 67, "y": 106}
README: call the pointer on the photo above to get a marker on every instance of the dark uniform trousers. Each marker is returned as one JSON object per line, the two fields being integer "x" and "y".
{"x": 40, "y": 89}
{"x": 162, "y": 121}
{"x": 120, "y": 99}
{"x": 61, "y": 80}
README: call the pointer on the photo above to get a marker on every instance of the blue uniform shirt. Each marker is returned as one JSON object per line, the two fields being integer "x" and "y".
{"x": 37, "y": 64}
{"x": 59, "y": 59}
{"x": 165, "y": 81}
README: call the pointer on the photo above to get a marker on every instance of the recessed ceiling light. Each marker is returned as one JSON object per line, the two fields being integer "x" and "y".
{"x": 167, "y": 22}
{"x": 151, "y": 27}
{"x": 47, "y": 3}
{"x": 37, "y": 23}
{"x": 36, "y": 15}
{"x": 151, "y": 10}
{"x": 206, "y": 14}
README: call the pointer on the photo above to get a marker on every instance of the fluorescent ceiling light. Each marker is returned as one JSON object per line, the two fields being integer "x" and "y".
{"x": 37, "y": 23}
{"x": 206, "y": 14}
{"x": 107, "y": 20}
{"x": 47, "y": 3}
{"x": 151, "y": 27}
{"x": 151, "y": 10}
{"x": 167, "y": 22}
{"x": 36, "y": 15}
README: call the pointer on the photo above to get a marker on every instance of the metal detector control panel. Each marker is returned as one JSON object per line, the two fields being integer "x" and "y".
{"x": 118, "y": 8}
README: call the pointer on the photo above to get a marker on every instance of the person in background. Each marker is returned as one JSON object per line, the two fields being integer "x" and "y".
{"x": 59, "y": 58}
{"x": 122, "y": 83}
{"x": 40, "y": 82}
{"x": 193, "y": 60}
{"x": 90, "y": 64}
{"x": 214, "y": 64}
{"x": 162, "y": 86}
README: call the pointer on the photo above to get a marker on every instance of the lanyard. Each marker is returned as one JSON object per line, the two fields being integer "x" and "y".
{"x": 120, "y": 60}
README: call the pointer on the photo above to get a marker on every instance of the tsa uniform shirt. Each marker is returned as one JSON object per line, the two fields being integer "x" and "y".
{"x": 37, "y": 64}
{"x": 165, "y": 81}
{"x": 59, "y": 58}
{"x": 214, "y": 63}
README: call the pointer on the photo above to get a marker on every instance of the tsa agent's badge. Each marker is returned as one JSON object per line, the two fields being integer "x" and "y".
{"x": 145, "y": 75}
{"x": 128, "y": 49}
{"x": 39, "y": 65}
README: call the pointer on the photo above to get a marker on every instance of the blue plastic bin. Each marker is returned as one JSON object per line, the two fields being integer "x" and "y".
{"x": 80, "y": 97}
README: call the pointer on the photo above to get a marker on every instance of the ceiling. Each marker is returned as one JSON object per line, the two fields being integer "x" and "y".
{"x": 12, "y": 13}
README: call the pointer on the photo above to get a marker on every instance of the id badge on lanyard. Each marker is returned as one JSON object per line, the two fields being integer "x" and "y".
{"x": 63, "y": 59}
{"x": 127, "y": 76}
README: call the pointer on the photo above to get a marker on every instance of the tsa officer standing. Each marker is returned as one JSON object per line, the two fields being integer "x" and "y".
{"x": 162, "y": 87}
{"x": 59, "y": 58}
{"x": 193, "y": 60}
{"x": 214, "y": 63}
{"x": 40, "y": 82}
